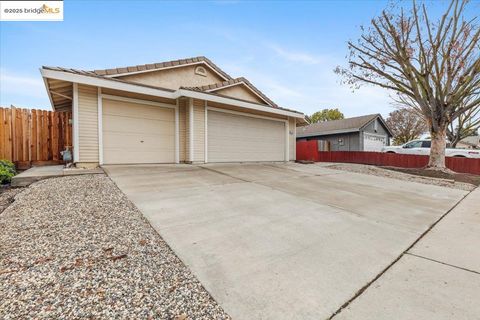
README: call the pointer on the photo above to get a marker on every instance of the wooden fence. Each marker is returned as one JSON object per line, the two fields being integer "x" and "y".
{"x": 308, "y": 150}
{"x": 34, "y": 137}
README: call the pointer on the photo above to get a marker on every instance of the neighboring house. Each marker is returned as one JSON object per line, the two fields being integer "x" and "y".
{"x": 364, "y": 133}
{"x": 171, "y": 112}
{"x": 472, "y": 142}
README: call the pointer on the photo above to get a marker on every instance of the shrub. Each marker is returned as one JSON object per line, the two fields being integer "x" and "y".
{"x": 7, "y": 171}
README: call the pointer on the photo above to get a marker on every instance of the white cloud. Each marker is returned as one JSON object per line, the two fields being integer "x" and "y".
{"x": 295, "y": 56}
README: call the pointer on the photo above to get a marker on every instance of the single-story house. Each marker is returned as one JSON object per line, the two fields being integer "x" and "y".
{"x": 364, "y": 133}
{"x": 182, "y": 111}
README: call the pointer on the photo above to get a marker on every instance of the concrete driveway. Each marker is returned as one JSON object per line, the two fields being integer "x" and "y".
{"x": 282, "y": 241}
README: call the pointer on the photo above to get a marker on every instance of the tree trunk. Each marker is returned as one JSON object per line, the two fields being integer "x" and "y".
{"x": 437, "y": 150}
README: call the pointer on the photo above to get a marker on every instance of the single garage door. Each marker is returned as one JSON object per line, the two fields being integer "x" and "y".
{"x": 238, "y": 138}
{"x": 373, "y": 142}
{"x": 137, "y": 133}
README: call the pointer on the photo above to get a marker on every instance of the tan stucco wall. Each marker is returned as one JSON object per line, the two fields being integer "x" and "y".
{"x": 88, "y": 124}
{"x": 175, "y": 78}
{"x": 240, "y": 92}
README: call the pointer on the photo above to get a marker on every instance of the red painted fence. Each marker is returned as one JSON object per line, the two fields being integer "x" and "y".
{"x": 308, "y": 150}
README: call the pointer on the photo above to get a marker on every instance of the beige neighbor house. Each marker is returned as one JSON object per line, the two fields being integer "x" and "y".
{"x": 183, "y": 111}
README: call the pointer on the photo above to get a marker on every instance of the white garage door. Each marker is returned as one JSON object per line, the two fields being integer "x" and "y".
{"x": 137, "y": 133}
{"x": 238, "y": 138}
{"x": 373, "y": 142}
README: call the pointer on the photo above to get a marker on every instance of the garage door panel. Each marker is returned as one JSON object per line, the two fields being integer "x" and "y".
{"x": 151, "y": 156}
{"x": 120, "y": 140}
{"x": 238, "y": 138}
{"x": 140, "y": 111}
{"x": 137, "y": 133}
{"x": 230, "y": 137}
{"x": 373, "y": 142}
{"x": 149, "y": 126}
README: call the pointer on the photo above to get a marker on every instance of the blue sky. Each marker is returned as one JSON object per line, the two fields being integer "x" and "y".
{"x": 287, "y": 49}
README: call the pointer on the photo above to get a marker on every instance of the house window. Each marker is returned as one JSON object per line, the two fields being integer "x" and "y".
{"x": 201, "y": 71}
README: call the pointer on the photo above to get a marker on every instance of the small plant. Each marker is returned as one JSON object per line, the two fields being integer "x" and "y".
{"x": 7, "y": 171}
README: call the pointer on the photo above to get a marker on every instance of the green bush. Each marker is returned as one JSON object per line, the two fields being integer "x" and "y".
{"x": 7, "y": 171}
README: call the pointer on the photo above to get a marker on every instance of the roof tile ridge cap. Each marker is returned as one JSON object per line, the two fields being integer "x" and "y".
{"x": 217, "y": 68}
{"x": 260, "y": 92}
{"x": 179, "y": 61}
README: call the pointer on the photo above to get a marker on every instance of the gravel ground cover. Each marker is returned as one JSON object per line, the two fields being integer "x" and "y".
{"x": 76, "y": 247}
{"x": 7, "y": 196}
{"x": 382, "y": 172}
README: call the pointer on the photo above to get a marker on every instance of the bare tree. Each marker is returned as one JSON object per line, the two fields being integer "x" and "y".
{"x": 465, "y": 125}
{"x": 431, "y": 66}
{"x": 406, "y": 125}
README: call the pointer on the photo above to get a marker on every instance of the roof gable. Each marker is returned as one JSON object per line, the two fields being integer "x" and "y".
{"x": 240, "y": 91}
{"x": 143, "y": 68}
{"x": 338, "y": 126}
{"x": 247, "y": 90}
{"x": 173, "y": 78}
{"x": 382, "y": 122}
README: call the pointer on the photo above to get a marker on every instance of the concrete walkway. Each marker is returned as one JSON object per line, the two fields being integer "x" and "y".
{"x": 282, "y": 241}
{"x": 34, "y": 174}
{"x": 439, "y": 278}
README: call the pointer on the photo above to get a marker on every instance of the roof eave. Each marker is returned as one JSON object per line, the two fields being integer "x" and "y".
{"x": 240, "y": 103}
{"x": 105, "y": 83}
{"x": 45, "y": 82}
{"x": 326, "y": 133}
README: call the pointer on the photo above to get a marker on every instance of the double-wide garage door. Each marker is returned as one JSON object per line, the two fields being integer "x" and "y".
{"x": 140, "y": 133}
{"x": 239, "y": 138}
{"x": 137, "y": 133}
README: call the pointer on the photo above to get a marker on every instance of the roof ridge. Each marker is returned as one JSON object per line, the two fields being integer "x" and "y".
{"x": 159, "y": 65}
{"x": 352, "y": 123}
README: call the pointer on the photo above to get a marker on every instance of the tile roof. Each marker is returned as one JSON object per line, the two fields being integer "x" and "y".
{"x": 92, "y": 74}
{"x": 160, "y": 65}
{"x": 336, "y": 126}
{"x": 220, "y": 85}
